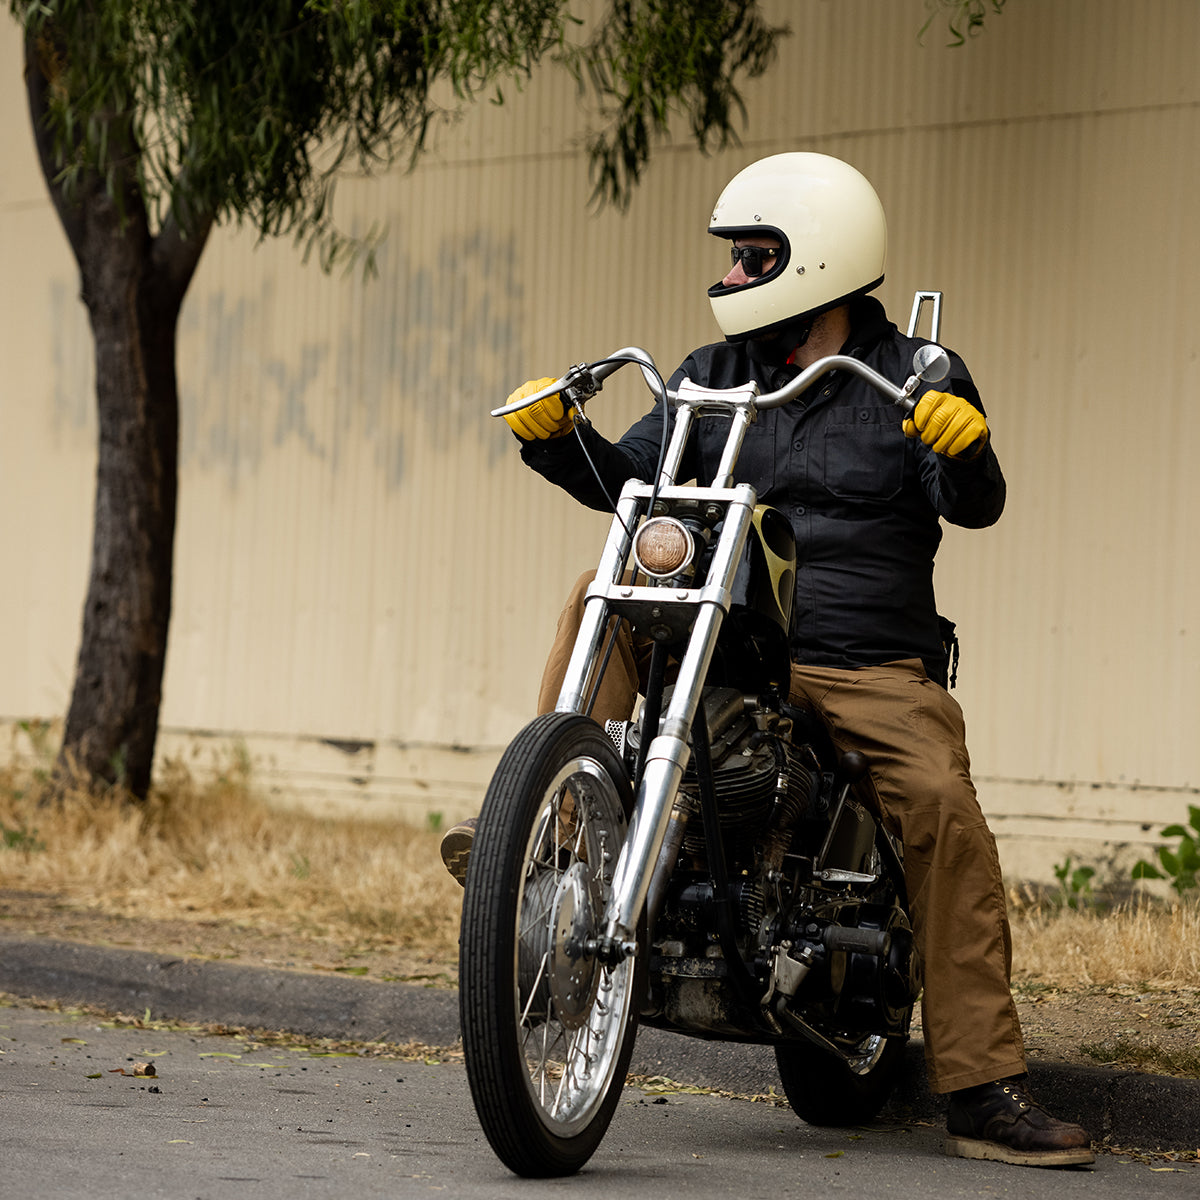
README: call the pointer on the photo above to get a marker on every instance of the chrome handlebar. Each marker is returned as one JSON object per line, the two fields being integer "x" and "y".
{"x": 588, "y": 377}
{"x": 930, "y": 364}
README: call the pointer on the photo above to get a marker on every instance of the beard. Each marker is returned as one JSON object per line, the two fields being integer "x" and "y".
{"x": 777, "y": 347}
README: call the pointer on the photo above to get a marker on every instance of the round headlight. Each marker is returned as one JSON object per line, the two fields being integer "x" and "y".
{"x": 663, "y": 547}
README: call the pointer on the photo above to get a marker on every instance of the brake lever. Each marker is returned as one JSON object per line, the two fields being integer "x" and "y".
{"x": 576, "y": 386}
{"x": 584, "y": 380}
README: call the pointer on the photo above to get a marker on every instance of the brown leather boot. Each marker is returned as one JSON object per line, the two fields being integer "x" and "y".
{"x": 1002, "y": 1122}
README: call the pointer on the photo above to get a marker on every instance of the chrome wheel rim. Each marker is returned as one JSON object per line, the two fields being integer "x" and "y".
{"x": 571, "y": 1009}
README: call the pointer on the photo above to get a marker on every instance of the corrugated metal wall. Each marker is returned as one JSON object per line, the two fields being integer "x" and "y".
{"x": 367, "y": 578}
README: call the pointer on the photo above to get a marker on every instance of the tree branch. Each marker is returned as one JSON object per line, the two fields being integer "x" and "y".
{"x": 40, "y": 56}
{"x": 174, "y": 255}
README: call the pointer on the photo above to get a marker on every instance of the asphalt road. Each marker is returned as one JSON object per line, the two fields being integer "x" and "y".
{"x": 1125, "y": 1108}
{"x": 223, "y": 1118}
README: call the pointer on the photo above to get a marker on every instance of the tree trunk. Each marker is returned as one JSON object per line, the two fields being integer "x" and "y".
{"x": 133, "y": 285}
{"x": 112, "y": 723}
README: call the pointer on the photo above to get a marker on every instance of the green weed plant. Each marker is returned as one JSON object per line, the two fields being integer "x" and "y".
{"x": 1075, "y": 882}
{"x": 1180, "y": 866}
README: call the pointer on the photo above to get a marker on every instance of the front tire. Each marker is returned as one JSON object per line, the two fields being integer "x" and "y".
{"x": 547, "y": 1028}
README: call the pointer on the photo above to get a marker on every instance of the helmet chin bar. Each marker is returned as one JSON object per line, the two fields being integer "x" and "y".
{"x": 787, "y": 323}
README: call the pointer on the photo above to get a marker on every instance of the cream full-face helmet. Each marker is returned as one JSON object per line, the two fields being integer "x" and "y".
{"x": 832, "y": 234}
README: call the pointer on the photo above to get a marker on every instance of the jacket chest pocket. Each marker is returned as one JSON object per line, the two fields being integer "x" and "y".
{"x": 756, "y": 463}
{"x": 865, "y": 451}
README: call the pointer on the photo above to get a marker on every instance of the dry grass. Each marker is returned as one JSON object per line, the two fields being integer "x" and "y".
{"x": 212, "y": 848}
{"x": 1139, "y": 941}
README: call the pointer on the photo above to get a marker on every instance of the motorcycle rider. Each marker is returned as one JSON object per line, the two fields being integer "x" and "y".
{"x": 865, "y": 490}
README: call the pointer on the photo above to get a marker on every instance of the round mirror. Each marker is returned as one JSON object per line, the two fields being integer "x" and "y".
{"x": 931, "y": 363}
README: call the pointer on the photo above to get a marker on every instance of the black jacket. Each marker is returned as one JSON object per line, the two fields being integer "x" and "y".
{"x": 864, "y": 500}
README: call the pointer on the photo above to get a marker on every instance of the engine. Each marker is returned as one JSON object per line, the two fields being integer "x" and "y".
{"x": 840, "y": 954}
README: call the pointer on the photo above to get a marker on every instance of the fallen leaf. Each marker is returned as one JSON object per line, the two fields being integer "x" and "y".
{"x": 676, "y": 1089}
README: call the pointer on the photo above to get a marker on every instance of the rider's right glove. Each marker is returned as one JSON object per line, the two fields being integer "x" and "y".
{"x": 548, "y": 418}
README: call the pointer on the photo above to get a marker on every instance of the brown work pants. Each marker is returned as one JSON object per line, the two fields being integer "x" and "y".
{"x": 912, "y": 733}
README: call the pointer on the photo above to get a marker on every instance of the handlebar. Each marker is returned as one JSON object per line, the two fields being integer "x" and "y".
{"x": 930, "y": 364}
{"x": 588, "y": 377}
{"x": 834, "y": 362}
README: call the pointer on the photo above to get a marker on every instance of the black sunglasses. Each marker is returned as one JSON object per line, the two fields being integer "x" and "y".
{"x": 752, "y": 258}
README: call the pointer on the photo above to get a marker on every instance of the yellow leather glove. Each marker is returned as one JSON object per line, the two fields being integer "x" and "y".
{"x": 949, "y": 424}
{"x": 548, "y": 418}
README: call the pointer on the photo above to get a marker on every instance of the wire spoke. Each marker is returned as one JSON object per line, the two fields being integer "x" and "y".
{"x": 570, "y": 1051}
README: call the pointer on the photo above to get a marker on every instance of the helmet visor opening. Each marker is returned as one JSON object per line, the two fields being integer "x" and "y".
{"x": 771, "y": 260}
{"x": 755, "y": 260}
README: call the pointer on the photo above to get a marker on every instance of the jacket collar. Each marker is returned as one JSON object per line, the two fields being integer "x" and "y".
{"x": 868, "y": 325}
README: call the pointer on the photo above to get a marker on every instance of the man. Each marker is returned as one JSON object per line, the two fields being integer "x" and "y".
{"x": 865, "y": 491}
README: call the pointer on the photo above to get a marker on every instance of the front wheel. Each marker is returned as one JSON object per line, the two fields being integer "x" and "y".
{"x": 825, "y": 1089}
{"x": 547, "y": 1028}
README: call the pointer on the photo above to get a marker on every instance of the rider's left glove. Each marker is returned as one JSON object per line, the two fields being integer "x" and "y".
{"x": 949, "y": 425}
{"x": 548, "y": 418}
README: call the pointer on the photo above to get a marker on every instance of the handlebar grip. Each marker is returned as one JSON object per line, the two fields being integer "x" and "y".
{"x": 517, "y": 405}
{"x": 595, "y": 374}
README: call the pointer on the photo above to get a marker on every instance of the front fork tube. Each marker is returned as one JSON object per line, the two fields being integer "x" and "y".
{"x": 667, "y": 757}
{"x": 681, "y": 812}
{"x": 572, "y": 696}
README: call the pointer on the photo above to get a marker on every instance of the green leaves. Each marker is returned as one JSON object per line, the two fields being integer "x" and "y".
{"x": 652, "y": 58}
{"x": 1075, "y": 882}
{"x": 1180, "y": 866}
{"x": 247, "y": 112}
{"x": 230, "y": 111}
{"x": 964, "y": 18}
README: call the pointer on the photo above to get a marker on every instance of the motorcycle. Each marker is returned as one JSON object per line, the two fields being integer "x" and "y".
{"x": 708, "y": 866}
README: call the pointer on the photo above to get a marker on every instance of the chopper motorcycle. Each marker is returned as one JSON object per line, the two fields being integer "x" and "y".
{"x": 707, "y": 866}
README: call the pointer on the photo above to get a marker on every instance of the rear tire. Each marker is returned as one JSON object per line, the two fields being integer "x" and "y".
{"x": 547, "y": 1029}
{"x": 824, "y": 1089}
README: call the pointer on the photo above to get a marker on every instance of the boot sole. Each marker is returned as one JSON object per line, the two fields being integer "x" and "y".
{"x": 456, "y": 854}
{"x": 959, "y": 1147}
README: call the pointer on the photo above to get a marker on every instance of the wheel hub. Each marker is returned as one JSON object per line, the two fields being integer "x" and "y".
{"x": 574, "y": 968}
